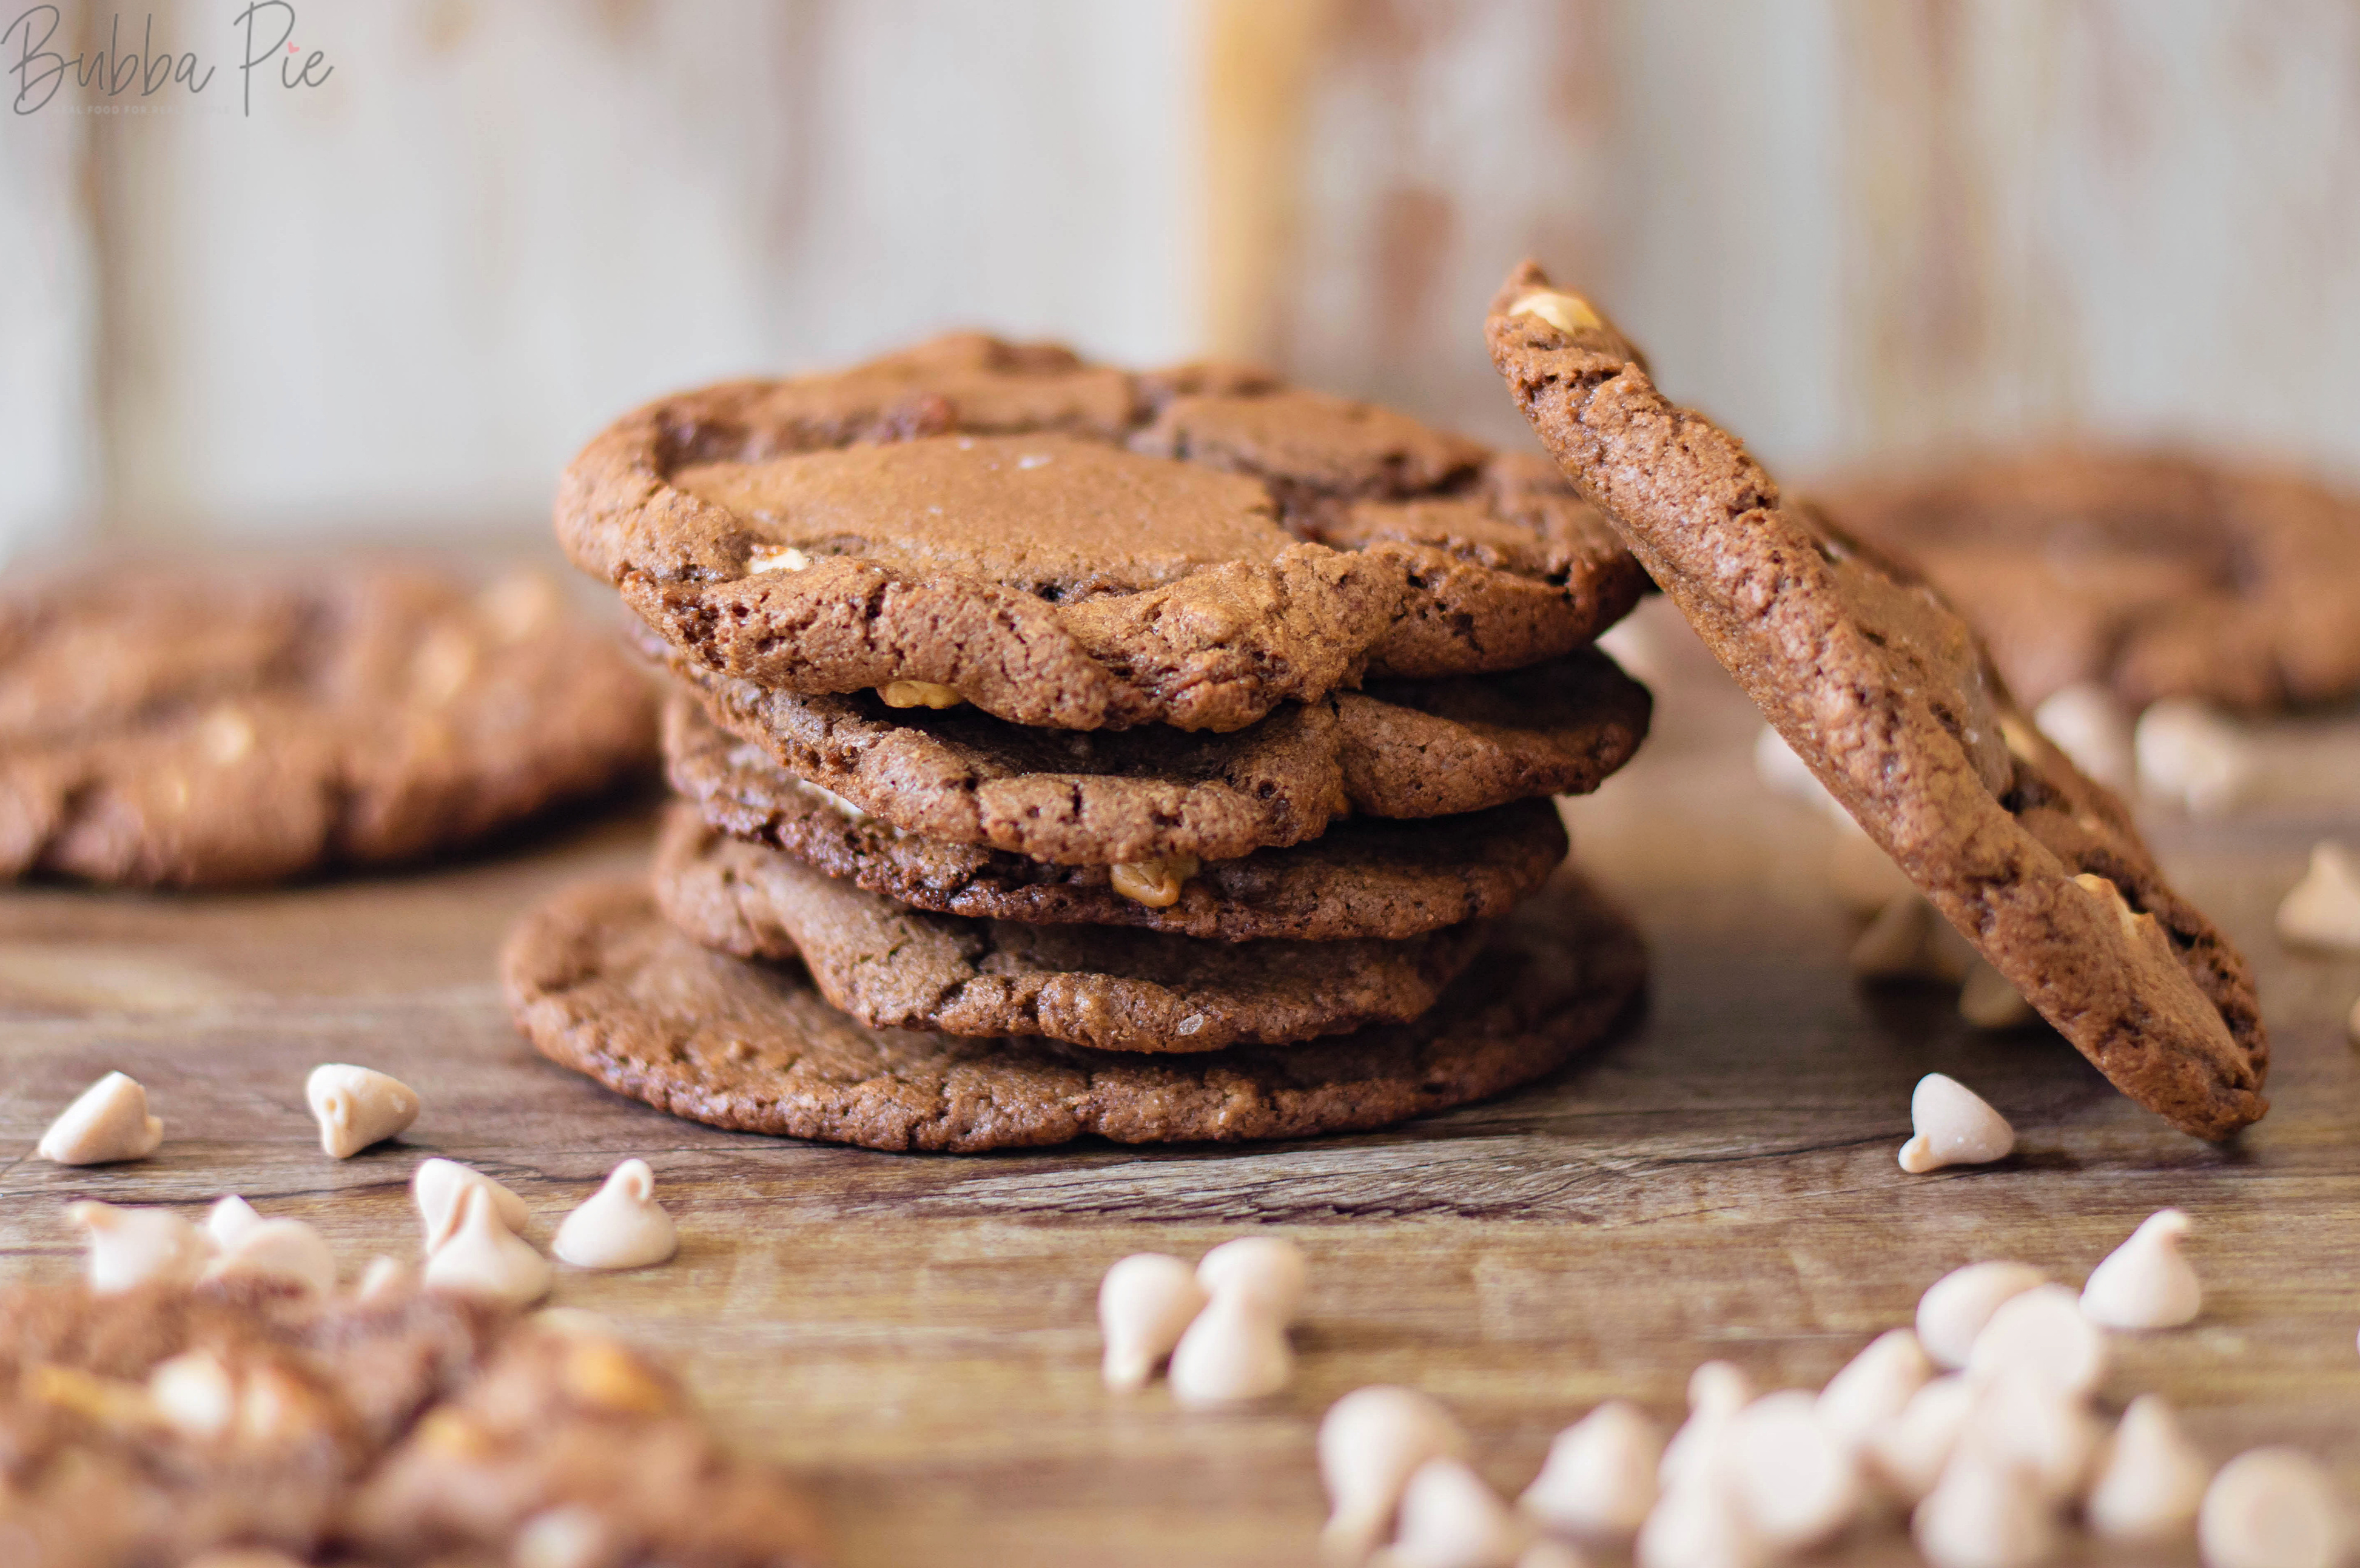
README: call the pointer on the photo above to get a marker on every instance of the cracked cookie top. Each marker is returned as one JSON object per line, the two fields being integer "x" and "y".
{"x": 1066, "y": 545}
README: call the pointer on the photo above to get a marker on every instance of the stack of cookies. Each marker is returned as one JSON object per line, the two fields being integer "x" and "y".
{"x": 1063, "y": 750}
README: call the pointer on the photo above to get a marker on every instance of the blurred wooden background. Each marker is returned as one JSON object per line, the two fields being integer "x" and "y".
{"x": 1851, "y": 227}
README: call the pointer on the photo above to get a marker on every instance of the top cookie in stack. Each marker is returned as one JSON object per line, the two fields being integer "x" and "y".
{"x": 1018, "y": 698}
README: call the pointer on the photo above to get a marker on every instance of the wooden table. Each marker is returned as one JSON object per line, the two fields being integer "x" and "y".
{"x": 917, "y": 1333}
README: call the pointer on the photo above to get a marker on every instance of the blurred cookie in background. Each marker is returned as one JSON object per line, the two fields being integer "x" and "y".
{"x": 2157, "y": 609}
{"x": 219, "y": 725}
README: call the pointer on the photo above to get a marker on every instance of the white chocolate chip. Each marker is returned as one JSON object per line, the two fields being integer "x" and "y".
{"x": 1989, "y": 1000}
{"x": 2042, "y": 1331}
{"x": 570, "y": 1536}
{"x": 1874, "y": 1388}
{"x": 2149, "y": 1479}
{"x": 483, "y": 1259}
{"x": 1798, "y": 1485}
{"x": 1907, "y": 1454}
{"x": 225, "y": 736}
{"x": 1145, "y": 1303}
{"x": 1717, "y": 1391}
{"x": 778, "y": 558}
{"x": 1155, "y": 883}
{"x": 2092, "y": 728}
{"x": 619, "y": 1226}
{"x": 285, "y": 1250}
{"x": 2271, "y": 1507}
{"x": 229, "y": 1219}
{"x": 1570, "y": 313}
{"x": 1698, "y": 1522}
{"x": 2146, "y": 1283}
{"x": 1451, "y": 1519}
{"x": 130, "y": 1247}
{"x": 1951, "y": 1124}
{"x": 384, "y": 1279}
{"x": 193, "y": 1393}
{"x": 1370, "y": 1442}
{"x": 2020, "y": 1419}
{"x": 919, "y": 694}
{"x": 357, "y": 1106}
{"x": 439, "y": 1184}
{"x": 1235, "y": 1351}
{"x": 834, "y": 802}
{"x": 107, "y": 1121}
{"x": 1547, "y": 1553}
{"x": 1984, "y": 1514}
{"x": 1909, "y": 941}
{"x": 2323, "y": 910}
{"x": 1599, "y": 1480}
{"x": 1956, "y": 1308}
{"x": 2193, "y": 757}
{"x": 1269, "y": 1271}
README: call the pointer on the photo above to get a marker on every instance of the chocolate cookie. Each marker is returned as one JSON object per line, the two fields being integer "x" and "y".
{"x": 1882, "y": 690}
{"x": 600, "y": 982}
{"x": 1404, "y": 749}
{"x": 1363, "y": 877}
{"x": 210, "y": 727}
{"x": 2157, "y": 573}
{"x": 154, "y": 1426}
{"x": 892, "y": 967}
{"x": 1070, "y": 547}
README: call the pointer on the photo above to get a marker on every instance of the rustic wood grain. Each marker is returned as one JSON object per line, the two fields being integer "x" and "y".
{"x": 916, "y": 1332}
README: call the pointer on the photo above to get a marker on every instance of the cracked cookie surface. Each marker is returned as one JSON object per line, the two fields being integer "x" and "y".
{"x": 888, "y": 966}
{"x": 1363, "y": 877}
{"x": 599, "y": 981}
{"x": 1074, "y": 547}
{"x": 1882, "y": 690}
{"x": 212, "y": 726}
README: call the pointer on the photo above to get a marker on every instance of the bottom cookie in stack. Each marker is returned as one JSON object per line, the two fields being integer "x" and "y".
{"x": 802, "y": 968}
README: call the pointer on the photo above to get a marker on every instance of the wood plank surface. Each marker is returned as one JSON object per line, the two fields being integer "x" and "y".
{"x": 917, "y": 1333}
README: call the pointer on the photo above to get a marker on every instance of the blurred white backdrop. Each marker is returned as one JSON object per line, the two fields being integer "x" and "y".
{"x": 402, "y": 299}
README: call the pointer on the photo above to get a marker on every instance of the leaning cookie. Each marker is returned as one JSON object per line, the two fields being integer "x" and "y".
{"x": 602, "y": 983}
{"x": 1882, "y": 690}
{"x": 1402, "y": 748}
{"x": 891, "y": 966}
{"x": 210, "y": 727}
{"x": 1067, "y": 545}
{"x": 2157, "y": 574}
{"x": 1365, "y": 876}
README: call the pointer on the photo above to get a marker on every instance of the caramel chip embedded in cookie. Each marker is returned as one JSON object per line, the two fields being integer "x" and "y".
{"x": 107, "y": 1121}
{"x": 357, "y": 1106}
{"x": 619, "y": 1226}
